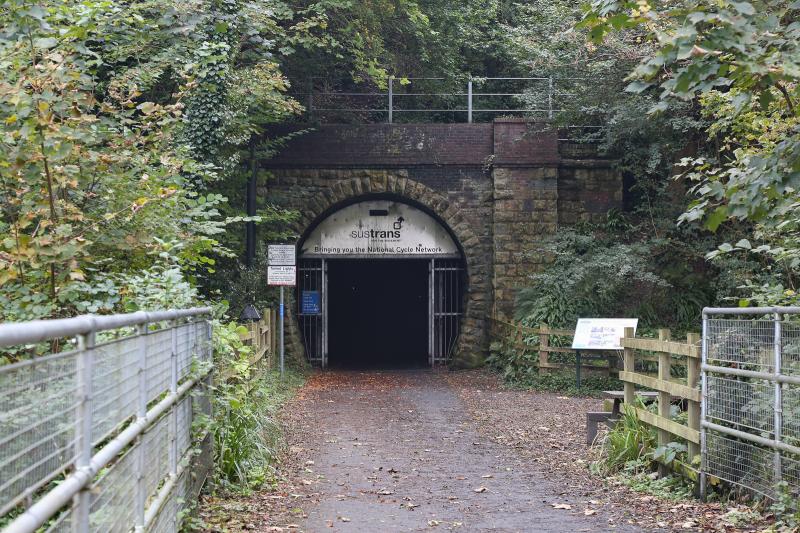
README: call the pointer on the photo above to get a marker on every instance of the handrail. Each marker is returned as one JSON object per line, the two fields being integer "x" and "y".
{"x": 63, "y": 493}
{"x": 12, "y": 334}
{"x": 163, "y": 374}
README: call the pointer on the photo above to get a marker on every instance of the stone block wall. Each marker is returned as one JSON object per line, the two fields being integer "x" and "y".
{"x": 500, "y": 188}
{"x": 587, "y": 191}
{"x": 525, "y": 211}
{"x": 460, "y": 199}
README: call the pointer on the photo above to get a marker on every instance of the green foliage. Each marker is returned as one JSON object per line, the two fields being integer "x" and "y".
{"x": 668, "y": 453}
{"x": 521, "y": 370}
{"x": 244, "y": 426}
{"x": 89, "y": 177}
{"x": 670, "y": 487}
{"x": 588, "y": 277}
{"x": 786, "y": 507}
{"x": 739, "y": 62}
{"x": 620, "y": 272}
{"x": 627, "y": 445}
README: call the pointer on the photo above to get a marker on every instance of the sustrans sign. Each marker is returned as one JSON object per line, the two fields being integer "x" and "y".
{"x": 379, "y": 228}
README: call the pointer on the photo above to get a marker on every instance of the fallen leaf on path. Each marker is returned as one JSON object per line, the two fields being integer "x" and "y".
{"x": 589, "y": 512}
{"x": 561, "y": 506}
{"x": 344, "y": 519}
{"x": 480, "y": 489}
{"x": 433, "y": 523}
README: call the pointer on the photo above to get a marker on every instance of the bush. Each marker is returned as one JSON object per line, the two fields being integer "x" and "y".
{"x": 521, "y": 370}
{"x": 629, "y": 442}
{"x": 244, "y": 428}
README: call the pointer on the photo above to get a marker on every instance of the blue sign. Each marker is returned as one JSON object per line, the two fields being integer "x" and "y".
{"x": 310, "y": 303}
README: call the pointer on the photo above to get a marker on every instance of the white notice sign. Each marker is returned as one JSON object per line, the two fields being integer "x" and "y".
{"x": 601, "y": 333}
{"x": 379, "y": 228}
{"x": 281, "y": 275}
{"x": 280, "y": 254}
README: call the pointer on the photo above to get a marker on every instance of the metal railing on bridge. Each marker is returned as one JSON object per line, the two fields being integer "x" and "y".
{"x": 99, "y": 436}
{"x": 473, "y": 100}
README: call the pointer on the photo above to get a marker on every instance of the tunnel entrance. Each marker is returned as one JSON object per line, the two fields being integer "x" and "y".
{"x": 380, "y": 283}
{"x": 378, "y": 313}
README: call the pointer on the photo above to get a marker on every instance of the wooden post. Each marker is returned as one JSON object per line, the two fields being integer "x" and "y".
{"x": 628, "y": 366}
{"x": 273, "y": 330}
{"x": 268, "y": 338}
{"x": 544, "y": 343}
{"x": 692, "y": 378}
{"x": 664, "y": 398}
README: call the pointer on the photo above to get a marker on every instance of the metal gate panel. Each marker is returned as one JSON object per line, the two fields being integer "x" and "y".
{"x": 750, "y": 389}
{"x": 312, "y": 323}
{"x": 446, "y": 307}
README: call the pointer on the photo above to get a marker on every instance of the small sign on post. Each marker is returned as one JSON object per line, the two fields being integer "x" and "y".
{"x": 281, "y": 255}
{"x": 281, "y": 275}
{"x": 598, "y": 334}
{"x": 281, "y": 271}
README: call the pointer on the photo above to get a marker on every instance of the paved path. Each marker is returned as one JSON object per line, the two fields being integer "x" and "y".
{"x": 397, "y": 451}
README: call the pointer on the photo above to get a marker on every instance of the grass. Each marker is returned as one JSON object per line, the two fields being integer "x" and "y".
{"x": 564, "y": 382}
{"x": 247, "y": 436}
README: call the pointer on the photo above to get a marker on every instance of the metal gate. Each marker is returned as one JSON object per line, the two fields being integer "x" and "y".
{"x": 446, "y": 304}
{"x": 312, "y": 303}
{"x": 445, "y": 308}
{"x": 750, "y": 432}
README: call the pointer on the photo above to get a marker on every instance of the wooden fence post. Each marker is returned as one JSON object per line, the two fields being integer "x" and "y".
{"x": 273, "y": 332}
{"x": 267, "y": 336}
{"x": 692, "y": 378}
{"x": 628, "y": 366}
{"x": 664, "y": 398}
{"x": 544, "y": 343}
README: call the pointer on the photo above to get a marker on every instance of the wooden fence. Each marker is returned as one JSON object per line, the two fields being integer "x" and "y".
{"x": 684, "y": 358}
{"x": 514, "y": 335}
{"x": 262, "y": 337}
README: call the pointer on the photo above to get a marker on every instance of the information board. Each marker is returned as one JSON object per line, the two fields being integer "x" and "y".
{"x": 309, "y": 303}
{"x": 281, "y": 275}
{"x": 601, "y": 333}
{"x": 280, "y": 255}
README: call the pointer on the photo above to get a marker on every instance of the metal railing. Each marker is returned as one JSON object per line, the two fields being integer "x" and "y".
{"x": 98, "y": 437}
{"x": 543, "y": 96}
{"x": 750, "y": 430}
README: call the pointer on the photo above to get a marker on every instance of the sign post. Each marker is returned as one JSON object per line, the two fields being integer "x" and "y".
{"x": 598, "y": 334}
{"x": 281, "y": 271}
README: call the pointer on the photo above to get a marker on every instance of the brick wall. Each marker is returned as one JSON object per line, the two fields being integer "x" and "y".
{"x": 388, "y": 146}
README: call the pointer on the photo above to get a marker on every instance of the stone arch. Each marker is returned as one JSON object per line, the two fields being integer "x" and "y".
{"x": 345, "y": 190}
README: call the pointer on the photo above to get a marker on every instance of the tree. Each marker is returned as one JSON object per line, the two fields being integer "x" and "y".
{"x": 740, "y": 61}
{"x": 90, "y": 179}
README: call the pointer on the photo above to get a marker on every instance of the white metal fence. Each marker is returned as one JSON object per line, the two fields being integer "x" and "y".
{"x": 98, "y": 437}
{"x": 750, "y": 432}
